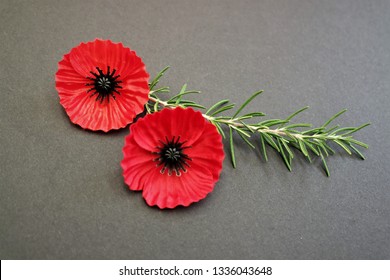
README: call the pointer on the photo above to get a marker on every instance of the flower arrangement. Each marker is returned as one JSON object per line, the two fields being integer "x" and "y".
{"x": 174, "y": 153}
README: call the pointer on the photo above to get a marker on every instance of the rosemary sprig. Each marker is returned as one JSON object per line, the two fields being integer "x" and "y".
{"x": 279, "y": 134}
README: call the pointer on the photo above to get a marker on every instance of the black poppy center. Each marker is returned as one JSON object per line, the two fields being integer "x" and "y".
{"x": 171, "y": 156}
{"x": 104, "y": 85}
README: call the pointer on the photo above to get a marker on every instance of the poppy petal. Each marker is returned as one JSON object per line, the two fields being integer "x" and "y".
{"x": 186, "y": 123}
{"x": 208, "y": 150}
{"x": 136, "y": 164}
{"x": 170, "y": 191}
{"x": 101, "y": 53}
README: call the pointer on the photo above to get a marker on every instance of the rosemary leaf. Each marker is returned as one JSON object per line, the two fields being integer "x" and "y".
{"x": 247, "y": 102}
{"x": 217, "y": 105}
{"x": 263, "y": 147}
{"x": 333, "y": 117}
{"x": 232, "y": 147}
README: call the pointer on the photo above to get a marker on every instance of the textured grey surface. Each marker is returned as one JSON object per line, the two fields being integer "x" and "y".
{"x": 62, "y": 194}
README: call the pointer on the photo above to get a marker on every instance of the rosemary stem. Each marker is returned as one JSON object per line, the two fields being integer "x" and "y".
{"x": 234, "y": 123}
{"x": 279, "y": 134}
{"x": 159, "y": 101}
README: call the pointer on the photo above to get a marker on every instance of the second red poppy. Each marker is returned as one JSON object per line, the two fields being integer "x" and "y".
{"x": 174, "y": 156}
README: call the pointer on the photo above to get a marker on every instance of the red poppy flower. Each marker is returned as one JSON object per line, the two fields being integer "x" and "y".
{"x": 102, "y": 85}
{"x": 174, "y": 156}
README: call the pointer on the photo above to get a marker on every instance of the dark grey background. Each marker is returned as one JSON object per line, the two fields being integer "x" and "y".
{"x": 62, "y": 194}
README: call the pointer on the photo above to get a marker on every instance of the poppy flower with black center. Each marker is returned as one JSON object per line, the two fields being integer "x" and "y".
{"x": 102, "y": 85}
{"x": 174, "y": 156}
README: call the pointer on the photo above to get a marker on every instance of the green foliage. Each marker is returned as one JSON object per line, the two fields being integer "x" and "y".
{"x": 278, "y": 134}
